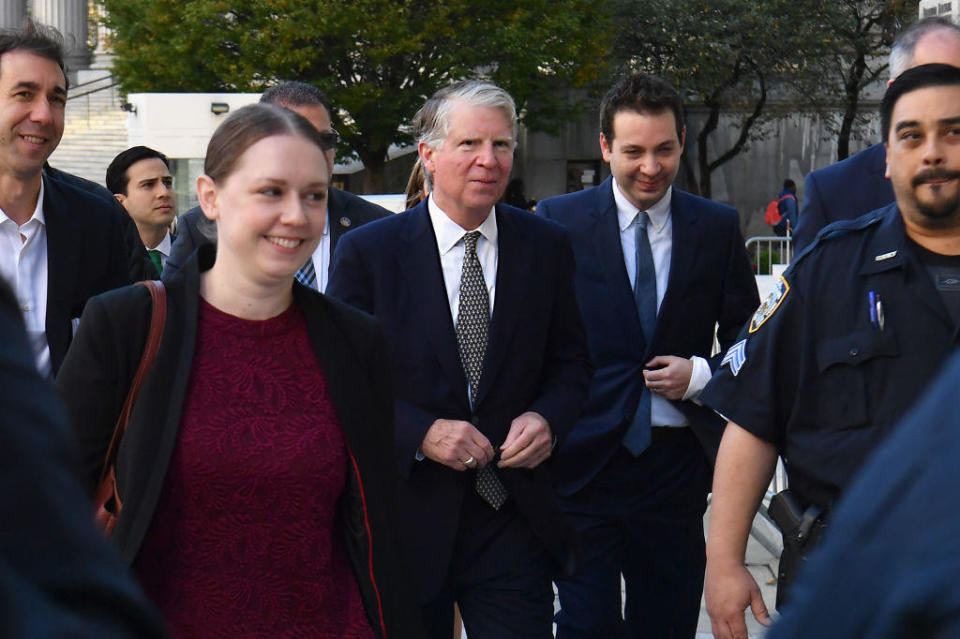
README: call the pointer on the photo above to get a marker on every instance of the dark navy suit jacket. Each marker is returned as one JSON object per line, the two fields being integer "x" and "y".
{"x": 711, "y": 285}
{"x": 536, "y": 360}
{"x": 843, "y": 191}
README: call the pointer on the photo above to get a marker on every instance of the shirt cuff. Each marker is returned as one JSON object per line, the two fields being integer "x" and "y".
{"x": 699, "y": 377}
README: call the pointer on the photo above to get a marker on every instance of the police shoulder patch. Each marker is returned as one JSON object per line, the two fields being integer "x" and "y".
{"x": 736, "y": 357}
{"x": 770, "y": 305}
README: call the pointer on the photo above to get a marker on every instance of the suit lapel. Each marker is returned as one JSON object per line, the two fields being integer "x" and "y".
{"x": 337, "y": 221}
{"x": 513, "y": 262}
{"x": 609, "y": 251}
{"x": 63, "y": 269}
{"x": 426, "y": 297}
{"x": 683, "y": 252}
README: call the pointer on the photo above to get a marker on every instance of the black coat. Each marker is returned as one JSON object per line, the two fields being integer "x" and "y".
{"x": 92, "y": 247}
{"x": 97, "y": 373}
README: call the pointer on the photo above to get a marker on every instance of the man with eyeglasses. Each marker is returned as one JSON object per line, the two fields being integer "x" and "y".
{"x": 345, "y": 211}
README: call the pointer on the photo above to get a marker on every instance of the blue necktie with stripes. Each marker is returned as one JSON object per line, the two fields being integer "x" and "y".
{"x": 307, "y": 275}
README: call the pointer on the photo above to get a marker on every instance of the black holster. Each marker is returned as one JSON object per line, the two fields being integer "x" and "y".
{"x": 802, "y": 528}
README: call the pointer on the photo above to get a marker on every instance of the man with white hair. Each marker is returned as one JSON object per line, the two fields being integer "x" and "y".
{"x": 857, "y": 185}
{"x": 490, "y": 368}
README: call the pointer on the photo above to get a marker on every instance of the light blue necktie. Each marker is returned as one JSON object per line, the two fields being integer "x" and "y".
{"x": 307, "y": 275}
{"x": 637, "y": 438}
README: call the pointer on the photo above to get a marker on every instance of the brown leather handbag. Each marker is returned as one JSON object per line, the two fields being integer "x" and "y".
{"x": 107, "y": 502}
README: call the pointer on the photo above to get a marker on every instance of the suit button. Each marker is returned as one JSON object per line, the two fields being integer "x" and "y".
{"x": 475, "y": 420}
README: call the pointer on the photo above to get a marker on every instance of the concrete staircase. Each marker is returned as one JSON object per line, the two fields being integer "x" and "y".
{"x": 96, "y": 128}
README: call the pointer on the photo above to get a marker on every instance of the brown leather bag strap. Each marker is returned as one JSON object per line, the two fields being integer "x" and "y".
{"x": 158, "y": 317}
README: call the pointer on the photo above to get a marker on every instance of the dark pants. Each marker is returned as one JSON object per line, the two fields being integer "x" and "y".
{"x": 500, "y": 577}
{"x": 641, "y": 517}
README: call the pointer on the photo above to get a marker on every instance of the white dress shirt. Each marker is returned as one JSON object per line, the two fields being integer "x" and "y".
{"x": 450, "y": 245}
{"x": 321, "y": 256}
{"x": 164, "y": 248}
{"x": 660, "y": 234}
{"x": 23, "y": 263}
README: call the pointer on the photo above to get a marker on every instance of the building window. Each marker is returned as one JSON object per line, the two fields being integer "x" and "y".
{"x": 185, "y": 172}
{"x": 930, "y": 12}
{"x": 946, "y": 8}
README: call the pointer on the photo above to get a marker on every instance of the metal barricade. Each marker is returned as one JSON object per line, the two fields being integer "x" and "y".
{"x": 767, "y": 252}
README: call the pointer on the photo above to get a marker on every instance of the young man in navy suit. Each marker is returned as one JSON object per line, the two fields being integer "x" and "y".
{"x": 490, "y": 368}
{"x": 658, "y": 270}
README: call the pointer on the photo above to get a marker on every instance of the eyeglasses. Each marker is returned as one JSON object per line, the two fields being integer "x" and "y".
{"x": 329, "y": 139}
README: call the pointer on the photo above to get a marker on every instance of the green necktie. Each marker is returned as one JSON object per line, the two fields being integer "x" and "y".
{"x": 155, "y": 258}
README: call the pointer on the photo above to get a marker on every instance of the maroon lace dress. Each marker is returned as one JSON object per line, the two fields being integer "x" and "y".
{"x": 244, "y": 541}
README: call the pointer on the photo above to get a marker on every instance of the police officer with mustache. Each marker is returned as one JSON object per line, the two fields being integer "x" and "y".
{"x": 858, "y": 327}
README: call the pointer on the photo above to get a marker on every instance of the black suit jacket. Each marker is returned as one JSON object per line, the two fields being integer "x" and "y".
{"x": 843, "y": 191}
{"x": 141, "y": 268}
{"x": 536, "y": 360}
{"x": 711, "y": 286}
{"x": 97, "y": 373}
{"x": 58, "y": 576}
{"x": 92, "y": 247}
{"x": 345, "y": 211}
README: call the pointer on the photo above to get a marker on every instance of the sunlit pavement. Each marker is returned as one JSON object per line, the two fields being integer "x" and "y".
{"x": 763, "y": 567}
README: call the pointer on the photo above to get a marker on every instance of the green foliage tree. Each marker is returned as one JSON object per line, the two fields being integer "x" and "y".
{"x": 722, "y": 54}
{"x": 377, "y": 60}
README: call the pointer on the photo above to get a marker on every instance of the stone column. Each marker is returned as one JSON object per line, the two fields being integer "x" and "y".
{"x": 70, "y": 18}
{"x": 12, "y": 13}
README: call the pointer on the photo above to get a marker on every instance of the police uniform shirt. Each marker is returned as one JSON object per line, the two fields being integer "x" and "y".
{"x": 829, "y": 362}
{"x": 888, "y": 567}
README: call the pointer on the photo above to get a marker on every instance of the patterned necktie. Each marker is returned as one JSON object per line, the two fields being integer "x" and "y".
{"x": 155, "y": 258}
{"x": 307, "y": 275}
{"x": 637, "y": 438}
{"x": 473, "y": 321}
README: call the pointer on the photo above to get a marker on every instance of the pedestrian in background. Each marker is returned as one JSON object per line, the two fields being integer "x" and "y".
{"x": 782, "y": 212}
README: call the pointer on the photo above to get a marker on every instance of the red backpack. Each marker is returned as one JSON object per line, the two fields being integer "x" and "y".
{"x": 772, "y": 215}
